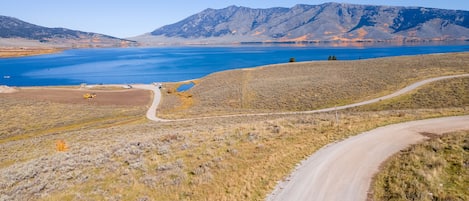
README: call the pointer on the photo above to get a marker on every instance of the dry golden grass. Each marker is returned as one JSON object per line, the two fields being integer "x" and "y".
{"x": 220, "y": 159}
{"x": 236, "y": 158}
{"x": 176, "y": 101}
{"x": 434, "y": 170}
{"x": 20, "y": 52}
{"x": 441, "y": 94}
{"x": 309, "y": 85}
{"x": 28, "y": 118}
{"x": 23, "y": 120}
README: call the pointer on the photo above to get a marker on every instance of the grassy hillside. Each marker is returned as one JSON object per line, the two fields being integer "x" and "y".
{"x": 129, "y": 158}
{"x": 434, "y": 170}
{"x": 305, "y": 86}
{"x": 441, "y": 94}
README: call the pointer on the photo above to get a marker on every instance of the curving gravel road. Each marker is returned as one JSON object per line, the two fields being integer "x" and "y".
{"x": 395, "y": 94}
{"x": 151, "y": 113}
{"x": 343, "y": 171}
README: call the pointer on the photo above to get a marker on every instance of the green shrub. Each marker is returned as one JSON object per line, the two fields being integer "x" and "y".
{"x": 332, "y": 58}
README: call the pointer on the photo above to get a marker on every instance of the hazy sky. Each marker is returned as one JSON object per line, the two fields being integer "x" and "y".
{"x": 126, "y": 18}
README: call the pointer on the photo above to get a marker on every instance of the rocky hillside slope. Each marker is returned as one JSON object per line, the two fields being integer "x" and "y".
{"x": 314, "y": 23}
{"x": 15, "y": 31}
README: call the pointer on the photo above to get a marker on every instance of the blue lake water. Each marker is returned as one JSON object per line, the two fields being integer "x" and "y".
{"x": 164, "y": 64}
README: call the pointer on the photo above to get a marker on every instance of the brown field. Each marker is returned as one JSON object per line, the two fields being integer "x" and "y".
{"x": 53, "y": 150}
{"x": 305, "y": 86}
{"x": 6, "y": 52}
{"x": 134, "y": 97}
{"x": 40, "y": 111}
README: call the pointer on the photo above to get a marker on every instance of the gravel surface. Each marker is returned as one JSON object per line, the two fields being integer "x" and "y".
{"x": 343, "y": 170}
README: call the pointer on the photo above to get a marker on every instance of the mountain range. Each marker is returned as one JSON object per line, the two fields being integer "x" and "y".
{"x": 329, "y": 22}
{"x": 317, "y": 23}
{"x": 13, "y": 30}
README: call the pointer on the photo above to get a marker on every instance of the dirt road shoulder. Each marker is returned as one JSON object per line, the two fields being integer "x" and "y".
{"x": 343, "y": 171}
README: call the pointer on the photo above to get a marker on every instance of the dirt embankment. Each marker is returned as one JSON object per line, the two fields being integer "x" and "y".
{"x": 6, "y": 52}
{"x": 7, "y": 89}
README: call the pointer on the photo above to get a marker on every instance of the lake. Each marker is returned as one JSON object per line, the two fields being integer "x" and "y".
{"x": 167, "y": 64}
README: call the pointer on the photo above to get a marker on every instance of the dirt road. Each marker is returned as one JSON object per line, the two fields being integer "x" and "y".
{"x": 343, "y": 171}
{"x": 395, "y": 94}
{"x": 151, "y": 112}
{"x": 407, "y": 89}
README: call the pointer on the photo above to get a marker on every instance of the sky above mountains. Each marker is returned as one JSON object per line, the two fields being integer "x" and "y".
{"x": 124, "y": 18}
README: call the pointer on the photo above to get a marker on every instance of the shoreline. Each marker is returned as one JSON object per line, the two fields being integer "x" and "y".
{"x": 15, "y": 52}
{"x": 25, "y": 51}
{"x": 56, "y": 50}
{"x": 196, "y": 79}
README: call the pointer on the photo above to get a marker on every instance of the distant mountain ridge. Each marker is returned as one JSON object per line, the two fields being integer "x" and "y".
{"x": 12, "y": 28}
{"x": 315, "y": 23}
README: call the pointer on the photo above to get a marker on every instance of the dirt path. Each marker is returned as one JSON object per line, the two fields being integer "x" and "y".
{"x": 151, "y": 113}
{"x": 343, "y": 171}
{"x": 407, "y": 89}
